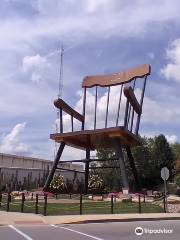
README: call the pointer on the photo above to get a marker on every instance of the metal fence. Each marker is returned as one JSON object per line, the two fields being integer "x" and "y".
{"x": 75, "y": 204}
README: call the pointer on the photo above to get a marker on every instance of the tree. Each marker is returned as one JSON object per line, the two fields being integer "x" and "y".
{"x": 95, "y": 182}
{"x": 110, "y": 176}
{"x": 150, "y": 157}
{"x": 176, "y": 150}
{"x": 162, "y": 154}
{"x": 57, "y": 184}
{"x": 144, "y": 163}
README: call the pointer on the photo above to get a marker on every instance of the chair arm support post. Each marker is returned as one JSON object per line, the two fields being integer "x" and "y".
{"x": 126, "y": 113}
{"x": 129, "y": 94}
{"x": 141, "y": 103}
{"x": 60, "y": 104}
{"x": 61, "y": 120}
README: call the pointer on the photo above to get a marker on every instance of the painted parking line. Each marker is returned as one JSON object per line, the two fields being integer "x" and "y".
{"x": 78, "y": 232}
{"x": 20, "y": 232}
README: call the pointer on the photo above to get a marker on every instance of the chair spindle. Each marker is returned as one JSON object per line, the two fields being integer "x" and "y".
{"x": 95, "y": 110}
{"x": 107, "y": 108}
{"x": 119, "y": 105}
{"x": 84, "y": 108}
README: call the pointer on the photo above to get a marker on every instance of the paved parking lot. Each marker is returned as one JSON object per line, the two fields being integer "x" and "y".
{"x": 100, "y": 231}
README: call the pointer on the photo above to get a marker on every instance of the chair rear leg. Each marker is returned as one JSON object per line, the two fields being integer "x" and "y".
{"x": 119, "y": 152}
{"x": 56, "y": 161}
{"x": 133, "y": 168}
{"x": 87, "y": 170}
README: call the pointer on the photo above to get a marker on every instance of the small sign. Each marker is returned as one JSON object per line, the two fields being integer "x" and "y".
{"x": 165, "y": 173}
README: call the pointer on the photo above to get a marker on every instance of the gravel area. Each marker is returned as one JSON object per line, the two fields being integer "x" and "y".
{"x": 174, "y": 208}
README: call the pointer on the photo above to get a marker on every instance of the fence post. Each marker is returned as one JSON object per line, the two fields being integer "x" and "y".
{"x": 144, "y": 198}
{"x": 45, "y": 204}
{"x": 80, "y": 204}
{"x": 139, "y": 201}
{"x": 8, "y": 201}
{"x": 32, "y": 196}
{"x": 22, "y": 202}
{"x": 112, "y": 205}
{"x": 0, "y": 198}
{"x": 36, "y": 204}
{"x": 70, "y": 196}
{"x": 164, "y": 202}
{"x": 102, "y": 197}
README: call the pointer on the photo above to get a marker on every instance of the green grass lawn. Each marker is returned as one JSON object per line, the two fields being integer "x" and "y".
{"x": 87, "y": 208}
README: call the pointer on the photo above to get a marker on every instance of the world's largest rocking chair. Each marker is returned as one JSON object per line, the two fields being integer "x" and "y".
{"x": 118, "y": 137}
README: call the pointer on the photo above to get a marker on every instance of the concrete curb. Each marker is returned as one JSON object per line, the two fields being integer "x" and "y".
{"x": 7, "y": 218}
{"x": 123, "y": 220}
{"x": 83, "y": 219}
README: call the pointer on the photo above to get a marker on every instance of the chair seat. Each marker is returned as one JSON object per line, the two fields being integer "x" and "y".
{"x": 98, "y": 138}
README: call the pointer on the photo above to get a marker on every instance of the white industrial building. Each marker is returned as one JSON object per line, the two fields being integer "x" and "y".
{"x": 18, "y": 172}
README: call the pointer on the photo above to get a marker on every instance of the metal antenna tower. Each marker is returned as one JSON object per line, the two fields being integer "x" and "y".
{"x": 61, "y": 73}
{"x": 60, "y": 87}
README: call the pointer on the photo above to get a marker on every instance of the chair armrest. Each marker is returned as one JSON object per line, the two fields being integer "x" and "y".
{"x": 129, "y": 94}
{"x": 59, "y": 103}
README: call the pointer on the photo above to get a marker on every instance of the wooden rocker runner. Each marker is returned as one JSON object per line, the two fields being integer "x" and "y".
{"x": 119, "y": 137}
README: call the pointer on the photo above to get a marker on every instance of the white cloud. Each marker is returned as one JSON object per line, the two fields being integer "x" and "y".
{"x": 172, "y": 69}
{"x": 151, "y": 55}
{"x": 157, "y": 112}
{"x": 29, "y": 62}
{"x": 171, "y": 138}
{"x": 67, "y": 19}
{"x": 36, "y": 66}
{"x": 93, "y": 5}
{"x": 11, "y": 143}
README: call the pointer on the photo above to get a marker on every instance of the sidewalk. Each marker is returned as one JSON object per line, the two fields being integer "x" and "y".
{"x": 7, "y": 218}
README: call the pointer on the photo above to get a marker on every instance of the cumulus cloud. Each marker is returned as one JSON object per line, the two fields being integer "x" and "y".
{"x": 151, "y": 55}
{"x": 171, "y": 138}
{"x": 36, "y": 66}
{"x": 172, "y": 69}
{"x": 113, "y": 13}
{"x": 156, "y": 112}
{"x": 11, "y": 143}
{"x": 93, "y": 5}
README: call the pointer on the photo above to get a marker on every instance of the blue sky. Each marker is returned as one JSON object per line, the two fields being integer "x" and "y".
{"x": 99, "y": 37}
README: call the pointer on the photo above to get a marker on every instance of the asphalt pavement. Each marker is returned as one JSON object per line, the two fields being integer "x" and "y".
{"x": 165, "y": 229}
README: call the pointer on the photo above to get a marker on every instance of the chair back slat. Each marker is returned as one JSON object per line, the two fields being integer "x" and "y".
{"x": 117, "y": 78}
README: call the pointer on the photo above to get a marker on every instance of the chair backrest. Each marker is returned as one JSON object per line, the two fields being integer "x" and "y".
{"x": 128, "y": 85}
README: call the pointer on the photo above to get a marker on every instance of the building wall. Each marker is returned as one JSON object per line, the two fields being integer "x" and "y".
{"x": 8, "y": 160}
{"x": 17, "y": 172}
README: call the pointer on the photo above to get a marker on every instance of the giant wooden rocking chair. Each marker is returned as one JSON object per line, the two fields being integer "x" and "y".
{"x": 117, "y": 137}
